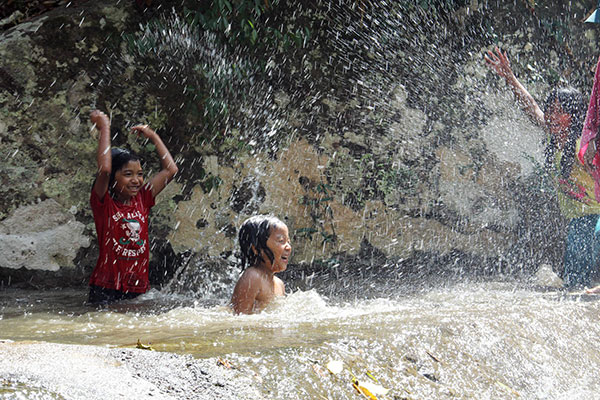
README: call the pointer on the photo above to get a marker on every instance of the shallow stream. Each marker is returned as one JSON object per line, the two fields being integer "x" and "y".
{"x": 470, "y": 340}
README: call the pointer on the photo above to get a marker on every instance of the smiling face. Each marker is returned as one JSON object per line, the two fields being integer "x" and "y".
{"x": 558, "y": 122}
{"x": 279, "y": 244}
{"x": 128, "y": 181}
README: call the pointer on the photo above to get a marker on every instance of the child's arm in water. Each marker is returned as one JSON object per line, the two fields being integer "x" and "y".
{"x": 159, "y": 181}
{"x": 246, "y": 292}
{"x": 279, "y": 287}
{"x": 594, "y": 290}
{"x": 499, "y": 62}
{"x": 103, "y": 156}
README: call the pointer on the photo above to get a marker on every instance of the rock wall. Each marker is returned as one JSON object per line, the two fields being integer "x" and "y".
{"x": 383, "y": 129}
{"x": 41, "y": 237}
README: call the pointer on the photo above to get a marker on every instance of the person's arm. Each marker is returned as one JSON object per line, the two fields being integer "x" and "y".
{"x": 103, "y": 156}
{"x": 159, "y": 181}
{"x": 245, "y": 293}
{"x": 279, "y": 286}
{"x": 594, "y": 290}
{"x": 499, "y": 62}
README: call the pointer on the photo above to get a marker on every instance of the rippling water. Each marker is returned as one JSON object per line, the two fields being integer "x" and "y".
{"x": 470, "y": 340}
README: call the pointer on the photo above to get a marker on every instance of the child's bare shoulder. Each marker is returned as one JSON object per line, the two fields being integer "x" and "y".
{"x": 251, "y": 275}
{"x": 252, "y": 272}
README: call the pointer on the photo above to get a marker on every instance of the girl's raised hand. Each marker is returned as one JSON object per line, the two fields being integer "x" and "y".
{"x": 99, "y": 119}
{"x": 499, "y": 62}
{"x": 144, "y": 130}
{"x": 169, "y": 168}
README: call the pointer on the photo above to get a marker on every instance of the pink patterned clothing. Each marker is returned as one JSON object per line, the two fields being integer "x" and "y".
{"x": 590, "y": 131}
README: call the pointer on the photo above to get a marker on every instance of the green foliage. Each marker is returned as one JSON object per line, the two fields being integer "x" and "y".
{"x": 208, "y": 181}
{"x": 317, "y": 200}
{"x": 190, "y": 69}
{"x": 433, "y": 5}
{"x": 242, "y": 23}
{"x": 379, "y": 179}
{"x": 402, "y": 179}
{"x": 556, "y": 28}
{"x": 202, "y": 61}
{"x": 222, "y": 16}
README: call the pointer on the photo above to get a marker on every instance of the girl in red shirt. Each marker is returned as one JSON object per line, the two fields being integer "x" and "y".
{"x": 121, "y": 206}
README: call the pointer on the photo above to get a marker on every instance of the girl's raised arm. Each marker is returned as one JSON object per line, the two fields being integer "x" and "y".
{"x": 103, "y": 156}
{"x": 499, "y": 62}
{"x": 159, "y": 181}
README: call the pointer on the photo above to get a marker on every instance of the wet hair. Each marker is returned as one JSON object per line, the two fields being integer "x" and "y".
{"x": 255, "y": 231}
{"x": 120, "y": 157}
{"x": 571, "y": 101}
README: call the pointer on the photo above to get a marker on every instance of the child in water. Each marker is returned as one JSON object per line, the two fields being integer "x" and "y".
{"x": 121, "y": 206}
{"x": 265, "y": 245}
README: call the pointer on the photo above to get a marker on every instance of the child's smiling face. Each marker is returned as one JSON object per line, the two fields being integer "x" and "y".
{"x": 128, "y": 181}
{"x": 558, "y": 122}
{"x": 279, "y": 244}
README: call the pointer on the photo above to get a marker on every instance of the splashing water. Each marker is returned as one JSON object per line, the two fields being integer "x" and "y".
{"x": 471, "y": 340}
{"x": 468, "y": 340}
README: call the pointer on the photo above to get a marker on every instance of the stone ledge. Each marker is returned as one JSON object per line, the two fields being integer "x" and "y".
{"x": 91, "y": 372}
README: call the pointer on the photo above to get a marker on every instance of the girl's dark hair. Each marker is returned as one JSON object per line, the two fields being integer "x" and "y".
{"x": 571, "y": 101}
{"x": 120, "y": 157}
{"x": 255, "y": 231}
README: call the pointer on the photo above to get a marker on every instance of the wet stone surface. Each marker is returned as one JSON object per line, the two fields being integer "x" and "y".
{"x": 90, "y": 372}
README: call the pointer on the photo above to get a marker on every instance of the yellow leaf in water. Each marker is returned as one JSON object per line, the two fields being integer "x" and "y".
{"x": 370, "y": 375}
{"x": 224, "y": 362}
{"x": 143, "y": 346}
{"x": 335, "y": 366}
{"x": 363, "y": 391}
{"x": 369, "y": 389}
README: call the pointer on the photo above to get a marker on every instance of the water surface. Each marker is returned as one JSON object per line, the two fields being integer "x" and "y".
{"x": 503, "y": 339}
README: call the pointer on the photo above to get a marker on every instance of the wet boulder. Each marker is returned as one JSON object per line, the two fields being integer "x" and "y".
{"x": 41, "y": 236}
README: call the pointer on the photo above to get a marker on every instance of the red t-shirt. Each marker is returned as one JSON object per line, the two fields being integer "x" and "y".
{"x": 122, "y": 231}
